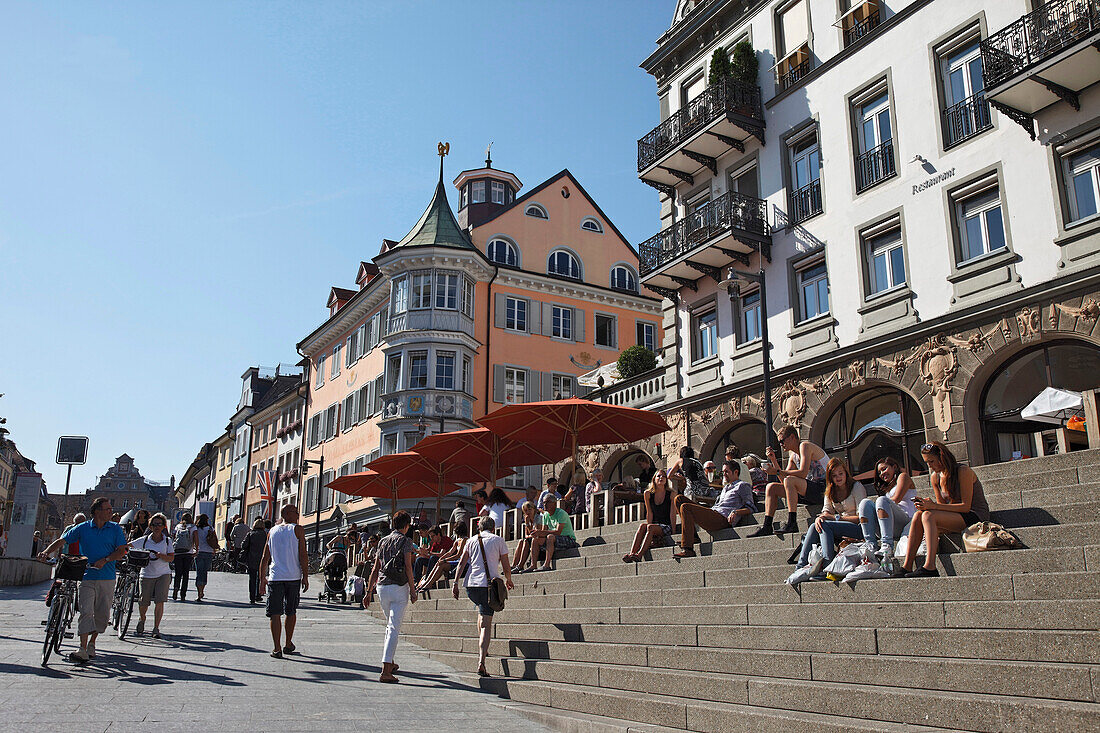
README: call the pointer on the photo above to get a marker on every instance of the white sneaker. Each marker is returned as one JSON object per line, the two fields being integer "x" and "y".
{"x": 886, "y": 549}
{"x": 79, "y": 656}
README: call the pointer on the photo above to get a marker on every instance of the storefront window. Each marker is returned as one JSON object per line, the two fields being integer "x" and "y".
{"x": 875, "y": 423}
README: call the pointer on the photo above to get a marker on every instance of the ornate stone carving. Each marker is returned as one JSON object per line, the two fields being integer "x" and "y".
{"x": 676, "y": 437}
{"x": 855, "y": 372}
{"x": 1006, "y": 330}
{"x": 707, "y": 418}
{"x": 938, "y": 366}
{"x": 897, "y": 365}
{"x": 735, "y": 408}
{"x": 592, "y": 458}
{"x": 1089, "y": 310}
{"x": 791, "y": 401}
{"x": 1030, "y": 322}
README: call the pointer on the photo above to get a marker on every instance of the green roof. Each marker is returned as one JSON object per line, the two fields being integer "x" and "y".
{"x": 437, "y": 225}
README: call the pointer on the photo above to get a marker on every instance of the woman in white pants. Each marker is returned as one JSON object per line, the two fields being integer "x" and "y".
{"x": 392, "y": 577}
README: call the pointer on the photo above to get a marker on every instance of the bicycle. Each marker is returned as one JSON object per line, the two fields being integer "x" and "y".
{"x": 68, "y": 572}
{"x": 127, "y": 589}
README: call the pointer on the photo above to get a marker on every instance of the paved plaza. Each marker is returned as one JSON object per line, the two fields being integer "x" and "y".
{"x": 211, "y": 671}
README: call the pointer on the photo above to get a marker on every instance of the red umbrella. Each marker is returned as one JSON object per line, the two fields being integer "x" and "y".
{"x": 379, "y": 486}
{"x": 483, "y": 448}
{"x": 412, "y": 466}
{"x": 572, "y": 422}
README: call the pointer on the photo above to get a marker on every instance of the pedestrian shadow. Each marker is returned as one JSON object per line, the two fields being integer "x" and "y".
{"x": 135, "y": 670}
{"x": 365, "y": 672}
{"x": 197, "y": 643}
{"x": 8, "y": 668}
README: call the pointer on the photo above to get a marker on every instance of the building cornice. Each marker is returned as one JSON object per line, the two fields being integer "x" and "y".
{"x": 356, "y": 309}
{"x": 404, "y": 339}
{"x": 288, "y": 399}
{"x": 576, "y": 289}
{"x": 403, "y": 259}
{"x": 680, "y": 40}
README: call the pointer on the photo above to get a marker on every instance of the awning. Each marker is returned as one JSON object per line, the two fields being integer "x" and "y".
{"x": 1053, "y": 405}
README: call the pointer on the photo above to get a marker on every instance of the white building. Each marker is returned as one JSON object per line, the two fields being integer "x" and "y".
{"x": 919, "y": 184}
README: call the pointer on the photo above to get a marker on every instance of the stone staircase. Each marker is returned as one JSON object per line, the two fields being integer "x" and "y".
{"x": 1002, "y": 641}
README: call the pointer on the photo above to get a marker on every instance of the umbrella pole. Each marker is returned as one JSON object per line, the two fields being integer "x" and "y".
{"x": 439, "y": 498}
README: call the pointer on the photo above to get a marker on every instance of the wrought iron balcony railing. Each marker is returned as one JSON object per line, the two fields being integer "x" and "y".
{"x": 729, "y": 212}
{"x": 805, "y": 202}
{"x": 877, "y": 164}
{"x": 858, "y": 30}
{"x": 794, "y": 74}
{"x": 729, "y": 96}
{"x": 1036, "y": 37}
{"x": 966, "y": 119}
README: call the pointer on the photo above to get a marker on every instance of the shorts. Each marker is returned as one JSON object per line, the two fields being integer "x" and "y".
{"x": 154, "y": 589}
{"x": 283, "y": 597}
{"x": 94, "y": 599}
{"x": 561, "y": 542}
{"x": 815, "y": 493}
{"x": 480, "y": 598}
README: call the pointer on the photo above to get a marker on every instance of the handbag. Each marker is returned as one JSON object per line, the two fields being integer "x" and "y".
{"x": 984, "y": 536}
{"x": 498, "y": 591}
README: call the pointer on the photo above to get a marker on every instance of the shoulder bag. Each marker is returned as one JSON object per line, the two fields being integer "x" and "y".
{"x": 983, "y": 536}
{"x": 498, "y": 591}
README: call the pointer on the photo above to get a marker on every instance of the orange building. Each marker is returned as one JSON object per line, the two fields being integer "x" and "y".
{"x": 509, "y": 301}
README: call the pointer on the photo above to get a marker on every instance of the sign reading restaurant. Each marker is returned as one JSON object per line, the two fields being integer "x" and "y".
{"x": 934, "y": 180}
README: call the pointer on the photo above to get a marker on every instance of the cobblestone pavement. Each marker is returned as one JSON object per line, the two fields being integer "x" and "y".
{"x": 211, "y": 671}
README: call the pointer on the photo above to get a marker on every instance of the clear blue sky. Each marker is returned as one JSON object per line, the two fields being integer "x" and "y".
{"x": 181, "y": 183}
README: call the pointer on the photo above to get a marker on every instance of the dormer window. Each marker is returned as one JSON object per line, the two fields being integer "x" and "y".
{"x": 590, "y": 224}
{"x": 563, "y": 263}
{"x": 477, "y": 192}
{"x": 623, "y": 279}
{"x": 536, "y": 211}
{"x": 496, "y": 188}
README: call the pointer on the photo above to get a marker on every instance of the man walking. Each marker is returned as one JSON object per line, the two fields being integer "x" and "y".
{"x": 285, "y": 568}
{"x": 236, "y": 535}
{"x": 102, "y": 542}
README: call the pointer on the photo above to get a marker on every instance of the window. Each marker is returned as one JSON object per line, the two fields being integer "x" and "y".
{"x": 536, "y": 211}
{"x": 330, "y": 421}
{"x": 606, "y": 331}
{"x": 467, "y": 298}
{"x": 647, "y": 335}
{"x": 466, "y": 374}
{"x": 623, "y": 279}
{"x": 805, "y": 178}
{"x": 400, "y": 296}
{"x": 813, "y": 291}
{"x": 477, "y": 192}
{"x": 421, "y": 290}
{"x": 326, "y": 492}
{"x": 885, "y": 261}
{"x": 311, "y": 495}
{"x": 874, "y": 135}
{"x": 465, "y": 197}
{"x": 750, "y": 317}
{"x": 561, "y": 386}
{"x": 393, "y": 380}
{"x": 561, "y": 322}
{"x": 565, "y": 264}
{"x": 981, "y": 229}
{"x": 320, "y": 380}
{"x": 353, "y": 348}
{"x": 515, "y": 385}
{"x": 1082, "y": 172}
{"x": 503, "y": 253}
{"x": 372, "y": 331}
{"x": 445, "y": 370}
{"x": 705, "y": 343}
{"x": 335, "y": 362}
{"x": 590, "y": 224}
{"x": 363, "y": 402}
{"x": 744, "y": 181}
{"x": 497, "y": 191}
{"x": 967, "y": 112}
{"x": 692, "y": 88}
{"x": 418, "y": 369}
{"x": 376, "y": 396}
{"x": 793, "y": 41}
{"x": 515, "y": 314}
{"x": 446, "y": 290}
{"x": 389, "y": 444}
{"x": 350, "y": 412}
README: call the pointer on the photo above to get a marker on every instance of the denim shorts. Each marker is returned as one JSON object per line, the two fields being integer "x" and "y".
{"x": 283, "y": 597}
{"x": 480, "y": 598}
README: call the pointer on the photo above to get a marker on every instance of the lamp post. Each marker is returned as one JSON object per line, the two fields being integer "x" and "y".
{"x": 306, "y": 463}
{"x": 732, "y": 284}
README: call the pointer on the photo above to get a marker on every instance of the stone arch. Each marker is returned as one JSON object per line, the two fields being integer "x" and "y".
{"x": 715, "y": 437}
{"x": 568, "y": 470}
{"x": 624, "y": 453}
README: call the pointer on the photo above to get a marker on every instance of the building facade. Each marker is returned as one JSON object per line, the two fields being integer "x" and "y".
{"x": 918, "y": 185}
{"x": 222, "y": 458}
{"x": 127, "y": 489}
{"x": 268, "y": 426}
{"x": 509, "y": 301}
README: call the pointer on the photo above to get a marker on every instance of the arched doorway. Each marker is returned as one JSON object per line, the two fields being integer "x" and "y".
{"x": 1062, "y": 364}
{"x": 626, "y": 467}
{"x": 750, "y": 436}
{"x": 874, "y": 423}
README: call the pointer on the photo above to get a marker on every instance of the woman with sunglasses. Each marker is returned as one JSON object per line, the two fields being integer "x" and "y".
{"x": 959, "y": 502}
{"x": 893, "y": 506}
{"x": 156, "y": 576}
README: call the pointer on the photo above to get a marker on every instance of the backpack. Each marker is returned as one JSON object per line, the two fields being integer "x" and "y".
{"x": 393, "y": 569}
{"x": 182, "y": 541}
{"x": 697, "y": 484}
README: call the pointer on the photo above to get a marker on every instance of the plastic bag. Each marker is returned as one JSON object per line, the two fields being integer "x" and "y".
{"x": 846, "y": 561}
{"x": 903, "y": 545}
{"x": 868, "y": 565}
{"x": 802, "y": 574}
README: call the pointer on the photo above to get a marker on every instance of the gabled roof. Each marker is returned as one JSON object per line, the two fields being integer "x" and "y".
{"x": 437, "y": 225}
{"x": 339, "y": 294}
{"x": 282, "y": 386}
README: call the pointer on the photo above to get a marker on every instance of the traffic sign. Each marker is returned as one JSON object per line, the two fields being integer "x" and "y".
{"x": 72, "y": 450}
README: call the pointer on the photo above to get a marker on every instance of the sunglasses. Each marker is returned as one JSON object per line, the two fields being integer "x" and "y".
{"x": 929, "y": 448}
{"x": 157, "y": 524}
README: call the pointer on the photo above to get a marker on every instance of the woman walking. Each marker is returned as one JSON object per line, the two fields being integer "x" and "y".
{"x": 155, "y": 576}
{"x": 392, "y": 577}
{"x": 485, "y": 556}
{"x": 183, "y": 545}
{"x": 252, "y": 554}
{"x": 206, "y": 542}
{"x": 140, "y": 526}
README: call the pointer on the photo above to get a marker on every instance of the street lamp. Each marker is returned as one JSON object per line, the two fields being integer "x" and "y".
{"x": 306, "y": 463}
{"x": 733, "y": 284}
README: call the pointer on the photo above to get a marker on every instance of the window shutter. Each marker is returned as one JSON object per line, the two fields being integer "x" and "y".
{"x": 498, "y": 383}
{"x": 547, "y": 319}
{"x": 547, "y": 386}
{"x": 578, "y": 325}
{"x": 499, "y": 311}
{"x": 532, "y": 388}
{"x": 534, "y": 317}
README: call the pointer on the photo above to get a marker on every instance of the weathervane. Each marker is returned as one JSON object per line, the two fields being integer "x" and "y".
{"x": 444, "y": 149}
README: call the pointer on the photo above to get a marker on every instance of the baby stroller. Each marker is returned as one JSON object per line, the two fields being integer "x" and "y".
{"x": 335, "y": 568}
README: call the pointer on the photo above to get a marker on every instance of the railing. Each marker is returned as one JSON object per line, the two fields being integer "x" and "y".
{"x": 1036, "y": 37}
{"x": 876, "y": 165}
{"x": 640, "y": 391}
{"x": 794, "y": 74}
{"x": 861, "y": 28}
{"x": 730, "y": 95}
{"x": 805, "y": 202}
{"x": 729, "y": 211}
{"x": 966, "y": 119}
{"x": 430, "y": 320}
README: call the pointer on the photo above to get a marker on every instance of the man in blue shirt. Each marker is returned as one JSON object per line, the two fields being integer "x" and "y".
{"x": 102, "y": 542}
{"x": 734, "y": 502}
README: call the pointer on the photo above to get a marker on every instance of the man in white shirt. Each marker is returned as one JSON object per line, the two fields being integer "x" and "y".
{"x": 285, "y": 566}
{"x": 486, "y": 555}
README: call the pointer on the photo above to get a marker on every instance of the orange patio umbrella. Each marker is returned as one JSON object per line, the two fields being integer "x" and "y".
{"x": 412, "y": 466}
{"x": 485, "y": 449}
{"x": 376, "y": 485}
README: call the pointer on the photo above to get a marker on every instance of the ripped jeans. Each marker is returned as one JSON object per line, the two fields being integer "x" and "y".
{"x": 831, "y": 531}
{"x": 889, "y": 527}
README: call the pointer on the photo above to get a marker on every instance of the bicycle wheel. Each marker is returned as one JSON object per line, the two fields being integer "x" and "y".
{"x": 128, "y": 607}
{"x": 53, "y": 631}
{"x": 66, "y": 622}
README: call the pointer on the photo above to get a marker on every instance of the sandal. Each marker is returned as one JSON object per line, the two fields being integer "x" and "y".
{"x": 481, "y": 672}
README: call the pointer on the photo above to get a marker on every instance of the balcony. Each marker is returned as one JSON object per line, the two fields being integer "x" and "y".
{"x": 722, "y": 118}
{"x": 727, "y": 229}
{"x": 966, "y": 119}
{"x": 426, "y": 402}
{"x": 1047, "y": 55}
{"x": 792, "y": 67}
{"x": 642, "y": 391}
{"x": 874, "y": 166}
{"x": 430, "y": 320}
{"x": 805, "y": 202}
{"x": 859, "y": 21}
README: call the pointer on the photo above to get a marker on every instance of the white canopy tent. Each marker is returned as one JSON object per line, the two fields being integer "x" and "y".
{"x": 1054, "y": 406}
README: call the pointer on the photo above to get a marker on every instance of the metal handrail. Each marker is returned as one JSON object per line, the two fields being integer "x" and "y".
{"x": 717, "y": 100}
{"x": 861, "y": 28}
{"x": 877, "y": 164}
{"x": 789, "y": 78}
{"x": 805, "y": 202}
{"x": 1036, "y": 37}
{"x": 730, "y": 211}
{"x": 966, "y": 119}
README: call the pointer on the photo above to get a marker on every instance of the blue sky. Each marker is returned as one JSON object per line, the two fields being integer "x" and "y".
{"x": 183, "y": 182}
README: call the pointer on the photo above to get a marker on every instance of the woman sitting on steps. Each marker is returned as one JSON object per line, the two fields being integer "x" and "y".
{"x": 894, "y": 506}
{"x": 839, "y": 516}
{"x": 532, "y": 520}
{"x": 658, "y": 524}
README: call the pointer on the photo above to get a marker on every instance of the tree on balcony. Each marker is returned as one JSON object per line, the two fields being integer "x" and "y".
{"x": 635, "y": 361}
{"x": 720, "y": 67}
{"x": 744, "y": 65}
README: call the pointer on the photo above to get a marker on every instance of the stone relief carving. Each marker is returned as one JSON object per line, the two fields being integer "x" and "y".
{"x": 938, "y": 367}
{"x": 592, "y": 457}
{"x": 855, "y": 372}
{"x": 735, "y": 407}
{"x": 676, "y": 437}
{"x": 1089, "y": 310}
{"x": 791, "y": 401}
{"x": 1030, "y": 322}
{"x": 897, "y": 365}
